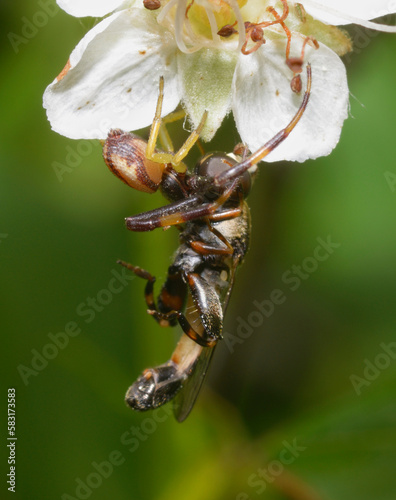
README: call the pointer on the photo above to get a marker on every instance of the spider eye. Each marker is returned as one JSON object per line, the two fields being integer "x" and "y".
{"x": 125, "y": 155}
{"x": 214, "y": 164}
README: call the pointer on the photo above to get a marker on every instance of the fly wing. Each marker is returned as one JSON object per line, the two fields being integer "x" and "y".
{"x": 186, "y": 398}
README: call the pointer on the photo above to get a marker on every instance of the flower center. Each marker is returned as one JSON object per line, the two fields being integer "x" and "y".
{"x": 196, "y": 22}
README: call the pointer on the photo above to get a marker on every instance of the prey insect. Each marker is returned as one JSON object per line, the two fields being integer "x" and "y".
{"x": 208, "y": 207}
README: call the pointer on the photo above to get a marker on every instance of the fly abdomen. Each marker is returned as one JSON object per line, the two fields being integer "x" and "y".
{"x": 155, "y": 387}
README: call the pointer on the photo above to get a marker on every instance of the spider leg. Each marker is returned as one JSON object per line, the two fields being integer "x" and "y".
{"x": 175, "y": 159}
{"x": 254, "y": 158}
{"x": 158, "y": 128}
{"x": 164, "y": 137}
{"x": 155, "y": 126}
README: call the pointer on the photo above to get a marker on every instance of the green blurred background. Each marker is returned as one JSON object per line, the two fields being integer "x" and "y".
{"x": 287, "y": 384}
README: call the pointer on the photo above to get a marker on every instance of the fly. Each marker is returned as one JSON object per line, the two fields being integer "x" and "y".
{"x": 208, "y": 207}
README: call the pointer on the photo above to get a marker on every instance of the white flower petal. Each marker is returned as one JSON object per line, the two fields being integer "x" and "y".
{"x": 94, "y": 8}
{"x": 114, "y": 78}
{"x": 340, "y": 12}
{"x": 206, "y": 78}
{"x": 264, "y": 104}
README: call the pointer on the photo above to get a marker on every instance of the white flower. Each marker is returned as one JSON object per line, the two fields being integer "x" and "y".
{"x": 111, "y": 79}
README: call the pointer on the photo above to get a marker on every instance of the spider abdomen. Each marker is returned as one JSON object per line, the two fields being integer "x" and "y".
{"x": 125, "y": 155}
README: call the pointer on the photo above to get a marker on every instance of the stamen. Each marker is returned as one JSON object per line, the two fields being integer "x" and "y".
{"x": 301, "y": 12}
{"x": 296, "y": 64}
{"x": 213, "y": 24}
{"x": 227, "y": 30}
{"x": 188, "y": 39}
{"x": 309, "y": 39}
{"x": 179, "y": 29}
{"x": 165, "y": 10}
{"x": 255, "y": 32}
{"x": 240, "y": 23}
{"x": 189, "y": 7}
{"x": 280, "y": 20}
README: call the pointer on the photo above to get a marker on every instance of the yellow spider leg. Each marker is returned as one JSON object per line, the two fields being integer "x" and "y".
{"x": 155, "y": 127}
{"x": 164, "y": 137}
{"x": 191, "y": 140}
{"x": 158, "y": 128}
{"x": 176, "y": 158}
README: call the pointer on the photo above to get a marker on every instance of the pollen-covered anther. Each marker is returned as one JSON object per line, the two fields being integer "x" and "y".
{"x": 255, "y": 33}
{"x": 227, "y": 30}
{"x": 295, "y": 64}
{"x": 296, "y": 84}
{"x": 152, "y": 4}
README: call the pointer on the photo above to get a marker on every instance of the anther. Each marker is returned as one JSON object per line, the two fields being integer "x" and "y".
{"x": 257, "y": 34}
{"x": 296, "y": 84}
{"x": 301, "y": 12}
{"x": 227, "y": 30}
{"x": 152, "y": 4}
{"x": 295, "y": 64}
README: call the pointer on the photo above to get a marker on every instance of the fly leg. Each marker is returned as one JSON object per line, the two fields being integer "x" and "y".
{"x": 186, "y": 326}
{"x": 170, "y": 302}
{"x": 171, "y": 297}
{"x": 225, "y": 248}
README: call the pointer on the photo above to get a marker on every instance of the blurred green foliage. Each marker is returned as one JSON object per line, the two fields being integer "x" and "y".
{"x": 288, "y": 382}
